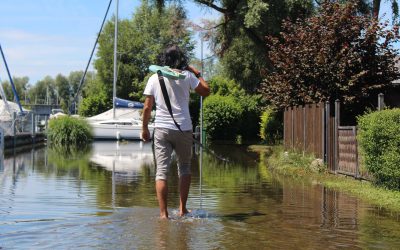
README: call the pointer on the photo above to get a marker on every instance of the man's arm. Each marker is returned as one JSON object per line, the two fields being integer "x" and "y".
{"x": 202, "y": 89}
{"x": 148, "y": 106}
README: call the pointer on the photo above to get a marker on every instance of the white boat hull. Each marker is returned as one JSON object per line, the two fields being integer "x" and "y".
{"x": 117, "y": 130}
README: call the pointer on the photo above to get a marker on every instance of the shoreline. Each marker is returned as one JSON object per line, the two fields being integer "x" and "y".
{"x": 296, "y": 165}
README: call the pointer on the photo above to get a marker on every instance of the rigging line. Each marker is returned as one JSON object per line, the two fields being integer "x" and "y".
{"x": 11, "y": 81}
{"x": 91, "y": 55}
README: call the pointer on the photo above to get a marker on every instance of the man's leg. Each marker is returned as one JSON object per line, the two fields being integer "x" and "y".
{"x": 162, "y": 151}
{"x": 184, "y": 186}
{"x": 162, "y": 194}
{"x": 183, "y": 149}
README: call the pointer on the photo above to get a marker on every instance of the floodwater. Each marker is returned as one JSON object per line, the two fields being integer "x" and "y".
{"x": 104, "y": 198}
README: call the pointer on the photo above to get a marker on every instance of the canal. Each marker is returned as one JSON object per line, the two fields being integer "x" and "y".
{"x": 104, "y": 198}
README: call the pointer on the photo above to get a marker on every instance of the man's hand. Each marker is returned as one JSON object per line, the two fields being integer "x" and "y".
{"x": 145, "y": 134}
{"x": 148, "y": 105}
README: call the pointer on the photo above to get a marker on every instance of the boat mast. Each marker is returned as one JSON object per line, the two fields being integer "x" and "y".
{"x": 115, "y": 58}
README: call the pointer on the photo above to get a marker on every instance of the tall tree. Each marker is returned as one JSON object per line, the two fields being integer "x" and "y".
{"x": 140, "y": 40}
{"x": 240, "y": 33}
{"x": 64, "y": 91}
{"x": 371, "y": 7}
{"x": 337, "y": 54}
{"x": 21, "y": 86}
{"x": 43, "y": 91}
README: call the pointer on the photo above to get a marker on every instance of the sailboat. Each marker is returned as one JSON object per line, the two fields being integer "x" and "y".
{"x": 123, "y": 120}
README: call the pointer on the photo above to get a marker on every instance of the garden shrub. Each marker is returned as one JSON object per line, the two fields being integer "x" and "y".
{"x": 250, "y": 119}
{"x": 270, "y": 126}
{"x": 221, "y": 116}
{"x": 379, "y": 141}
{"x": 245, "y": 122}
{"x": 68, "y": 131}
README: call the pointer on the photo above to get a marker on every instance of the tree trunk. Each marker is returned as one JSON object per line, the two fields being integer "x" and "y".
{"x": 375, "y": 8}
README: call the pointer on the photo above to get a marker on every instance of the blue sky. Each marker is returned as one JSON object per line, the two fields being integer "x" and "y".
{"x": 47, "y": 37}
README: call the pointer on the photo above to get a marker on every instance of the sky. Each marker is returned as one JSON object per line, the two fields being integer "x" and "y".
{"x": 48, "y": 37}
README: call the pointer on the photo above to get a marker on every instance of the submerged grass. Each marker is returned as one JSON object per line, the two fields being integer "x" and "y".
{"x": 307, "y": 167}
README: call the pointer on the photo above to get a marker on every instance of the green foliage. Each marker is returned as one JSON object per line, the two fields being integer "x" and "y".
{"x": 237, "y": 114}
{"x": 223, "y": 86}
{"x": 94, "y": 104}
{"x": 239, "y": 36}
{"x": 250, "y": 119}
{"x": 337, "y": 54}
{"x": 67, "y": 131}
{"x": 21, "y": 86}
{"x": 379, "y": 140}
{"x": 221, "y": 116}
{"x": 297, "y": 165}
{"x": 270, "y": 126}
{"x": 140, "y": 41}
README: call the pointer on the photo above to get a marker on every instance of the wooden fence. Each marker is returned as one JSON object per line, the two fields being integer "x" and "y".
{"x": 347, "y": 158}
{"x": 315, "y": 129}
{"x": 304, "y": 129}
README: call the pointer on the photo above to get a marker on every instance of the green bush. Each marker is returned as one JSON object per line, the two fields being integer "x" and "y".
{"x": 68, "y": 131}
{"x": 94, "y": 104}
{"x": 220, "y": 85}
{"x": 250, "y": 119}
{"x": 379, "y": 141}
{"x": 270, "y": 126}
{"x": 236, "y": 115}
{"x": 222, "y": 116}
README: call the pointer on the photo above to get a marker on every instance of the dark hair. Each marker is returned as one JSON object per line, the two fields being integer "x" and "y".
{"x": 173, "y": 57}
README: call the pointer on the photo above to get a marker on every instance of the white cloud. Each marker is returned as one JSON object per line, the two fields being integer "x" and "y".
{"x": 18, "y": 35}
{"x": 37, "y": 55}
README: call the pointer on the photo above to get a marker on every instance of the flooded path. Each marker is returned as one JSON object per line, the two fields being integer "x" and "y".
{"x": 105, "y": 199}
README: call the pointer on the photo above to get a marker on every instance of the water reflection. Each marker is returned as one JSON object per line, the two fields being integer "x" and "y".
{"x": 104, "y": 198}
{"x": 123, "y": 157}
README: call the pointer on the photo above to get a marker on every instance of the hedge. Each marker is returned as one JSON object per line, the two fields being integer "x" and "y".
{"x": 379, "y": 141}
{"x": 221, "y": 113}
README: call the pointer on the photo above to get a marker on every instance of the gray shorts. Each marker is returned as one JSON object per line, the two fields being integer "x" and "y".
{"x": 167, "y": 140}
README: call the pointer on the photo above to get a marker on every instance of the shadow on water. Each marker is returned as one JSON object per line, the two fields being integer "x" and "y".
{"x": 240, "y": 216}
{"x": 104, "y": 197}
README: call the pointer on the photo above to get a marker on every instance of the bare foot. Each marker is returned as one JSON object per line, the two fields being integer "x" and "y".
{"x": 184, "y": 212}
{"x": 163, "y": 215}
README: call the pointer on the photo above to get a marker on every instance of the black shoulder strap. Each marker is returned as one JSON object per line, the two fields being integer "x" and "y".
{"x": 166, "y": 97}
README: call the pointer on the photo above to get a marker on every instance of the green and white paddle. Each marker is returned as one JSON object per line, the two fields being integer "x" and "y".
{"x": 167, "y": 72}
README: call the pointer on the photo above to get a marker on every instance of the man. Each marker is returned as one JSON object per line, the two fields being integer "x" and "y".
{"x": 167, "y": 136}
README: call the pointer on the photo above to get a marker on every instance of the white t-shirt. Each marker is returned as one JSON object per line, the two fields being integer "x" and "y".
{"x": 179, "y": 94}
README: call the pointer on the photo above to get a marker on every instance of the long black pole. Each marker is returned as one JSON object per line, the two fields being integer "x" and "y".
{"x": 91, "y": 55}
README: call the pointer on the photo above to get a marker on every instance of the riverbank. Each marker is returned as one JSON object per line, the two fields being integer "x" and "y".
{"x": 307, "y": 167}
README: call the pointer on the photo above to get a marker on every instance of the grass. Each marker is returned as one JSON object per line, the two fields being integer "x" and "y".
{"x": 297, "y": 165}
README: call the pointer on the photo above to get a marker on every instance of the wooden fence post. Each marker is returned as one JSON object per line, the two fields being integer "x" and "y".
{"x": 323, "y": 131}
{"x": 336, "y": 134}
{"x": 357, "y": 166}
{"x": 304, "y": 129}
{"x": 326, "y": 134}
{"x": 292, "y": 127}
{"x": 381, "y": 102}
